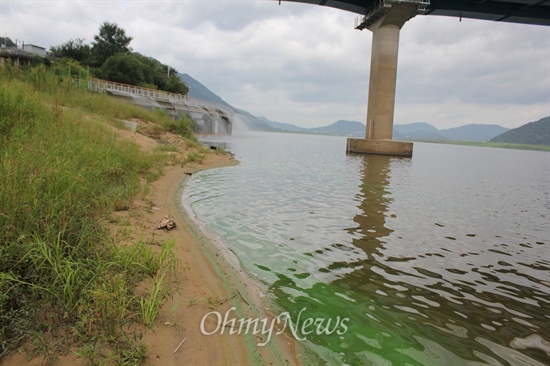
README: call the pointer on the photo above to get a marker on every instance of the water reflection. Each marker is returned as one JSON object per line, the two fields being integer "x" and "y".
{"x": 440, "y": 314}
{"x": 374, "y": 202}
{"x": 413, "y": 305}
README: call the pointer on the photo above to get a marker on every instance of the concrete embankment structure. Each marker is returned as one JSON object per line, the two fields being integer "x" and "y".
{"x": 208, "y": 117}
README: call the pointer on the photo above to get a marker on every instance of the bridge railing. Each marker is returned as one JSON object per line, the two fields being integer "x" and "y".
{"x": 98, "y": 85}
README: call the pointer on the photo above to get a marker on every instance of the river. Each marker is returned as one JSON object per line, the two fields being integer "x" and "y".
{"x": 438, "y": 259}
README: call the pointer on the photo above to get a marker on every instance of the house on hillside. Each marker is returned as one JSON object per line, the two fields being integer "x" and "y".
{"x": 35, "y": 50}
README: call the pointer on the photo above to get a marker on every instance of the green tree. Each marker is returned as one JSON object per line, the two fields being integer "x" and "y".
{"x": 164, "y": 76}
{"x": 74, "y": 49}
{"x": 6, "y": 41}
{"x": 175, "y": 85}
{"x": 156, "y": 71}
{"x": 70, "y": 67}
{"x": 127, "y": 69}
{"x": 111, "y": 40}
{"x": 140, "y": 70}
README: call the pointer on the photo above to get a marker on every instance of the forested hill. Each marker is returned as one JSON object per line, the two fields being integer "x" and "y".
{"x": 534, "y": 133}
{"x": 197, "y": 90}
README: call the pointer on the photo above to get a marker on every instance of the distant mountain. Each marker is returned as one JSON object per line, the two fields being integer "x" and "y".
{"x": 343, "y": 128}
{"x": 251, "y": 122}
{"x": 397, "y": 135}
{"x": 474, "y": 132}
{"x": 197, "y": 90}
{"x": 535, "y": 133}
{"x": 415, "y": 127}
{"x": 417, "y": 130}
{"x": 284, "y": 126}
{"x": 339, "y": 128}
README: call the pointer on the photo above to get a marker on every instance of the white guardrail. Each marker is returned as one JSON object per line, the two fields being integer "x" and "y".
{"x": 98, "y": 85}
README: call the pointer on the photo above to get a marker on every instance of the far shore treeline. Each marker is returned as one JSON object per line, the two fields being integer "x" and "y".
{"x": 110, "y": 57}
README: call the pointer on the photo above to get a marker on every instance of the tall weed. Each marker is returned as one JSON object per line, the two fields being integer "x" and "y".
{"x": 18, "y": 112}
{"x": 139, "y": 259}
{"x": 62, "y": 170}
{"x": 182, "y": 127}
{"x": 150, "y": 306}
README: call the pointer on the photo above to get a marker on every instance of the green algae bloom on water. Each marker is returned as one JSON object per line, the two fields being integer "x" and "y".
{"x": 436, "y": 260}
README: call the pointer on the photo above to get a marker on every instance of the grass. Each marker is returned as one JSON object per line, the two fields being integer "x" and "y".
{"x": 62, "y": 172}
{"x": 140, "y": 261}
{"x": 150, "y": 306}
{"x": 194, "y": 156}
{"x": 502, "y": 145}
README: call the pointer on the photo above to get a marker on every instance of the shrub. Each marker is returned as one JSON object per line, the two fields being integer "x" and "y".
{"x": 182, "y": 127}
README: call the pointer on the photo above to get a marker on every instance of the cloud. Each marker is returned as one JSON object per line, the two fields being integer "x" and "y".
{"x": 306, "y": 65}
{"x": 505, "y": 63}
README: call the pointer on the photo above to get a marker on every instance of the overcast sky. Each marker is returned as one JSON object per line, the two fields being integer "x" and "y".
{"x": 307, "y": 65}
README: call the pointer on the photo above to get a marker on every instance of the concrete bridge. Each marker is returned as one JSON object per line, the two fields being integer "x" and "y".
{"x": 385, "y": 18}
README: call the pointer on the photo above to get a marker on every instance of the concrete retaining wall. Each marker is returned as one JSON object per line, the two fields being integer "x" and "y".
{"x": 206, "y": 119}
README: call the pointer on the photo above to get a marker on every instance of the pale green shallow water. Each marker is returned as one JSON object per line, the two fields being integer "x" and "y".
{"x": 442, "y": 259}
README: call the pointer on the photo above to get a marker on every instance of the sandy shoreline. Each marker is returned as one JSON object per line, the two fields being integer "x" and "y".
{"x": 206, "y": 282}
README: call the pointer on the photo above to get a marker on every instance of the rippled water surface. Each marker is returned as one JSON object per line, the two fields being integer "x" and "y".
{"x": 442, "y": 259}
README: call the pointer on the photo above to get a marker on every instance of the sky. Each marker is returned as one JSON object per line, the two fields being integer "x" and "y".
{"x": 307, "y": 65}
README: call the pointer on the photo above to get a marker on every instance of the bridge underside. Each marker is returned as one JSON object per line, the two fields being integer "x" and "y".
{"x": 512, "y": 11}
{"x": 534, "y": 12}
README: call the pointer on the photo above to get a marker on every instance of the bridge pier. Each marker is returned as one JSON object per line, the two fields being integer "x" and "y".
{"x": 385, "y": 20}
